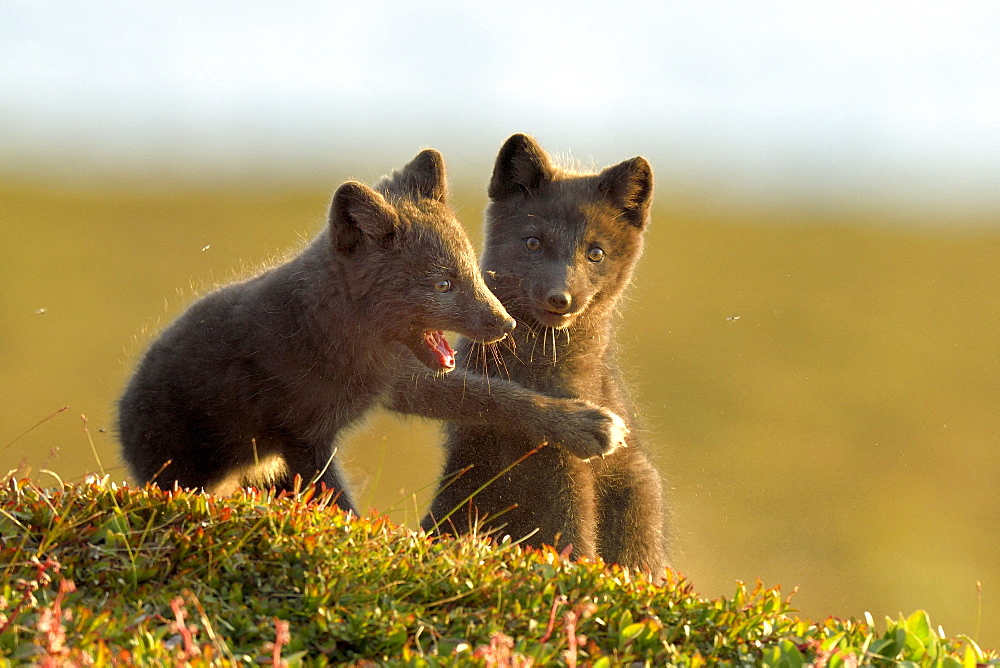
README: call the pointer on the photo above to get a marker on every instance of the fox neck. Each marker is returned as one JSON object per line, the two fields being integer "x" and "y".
{"x": 330, "y": 311}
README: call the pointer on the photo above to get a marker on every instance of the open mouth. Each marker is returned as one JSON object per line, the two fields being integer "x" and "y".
{"x": 554, "y": 319}
{"x": 439, "y": 348}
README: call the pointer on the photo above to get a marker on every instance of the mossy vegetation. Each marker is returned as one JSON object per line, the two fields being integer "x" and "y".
{"x": 99, "y": 574}
{"x": 819, "y": 384}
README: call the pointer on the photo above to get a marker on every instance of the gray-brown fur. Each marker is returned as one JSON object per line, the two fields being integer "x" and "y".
{"x": 254, "y": 382}
{"x": 565, "y": 305}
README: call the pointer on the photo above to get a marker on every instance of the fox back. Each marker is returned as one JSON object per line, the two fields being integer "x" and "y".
{"x": 254, "y": 382}
{"x": 560, "y": 250}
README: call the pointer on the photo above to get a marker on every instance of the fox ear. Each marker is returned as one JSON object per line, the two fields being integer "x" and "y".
{"x": 629, "y": 186}
{"x": 358, "y": 213}
{"x": 522, "y": 166}
{"x": 422, "y": 178}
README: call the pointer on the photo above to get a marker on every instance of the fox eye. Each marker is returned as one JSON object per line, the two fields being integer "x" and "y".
{"x": 443, "y": 286}
{"x": 533, "y": 243}
{"x": 595, "y": 254}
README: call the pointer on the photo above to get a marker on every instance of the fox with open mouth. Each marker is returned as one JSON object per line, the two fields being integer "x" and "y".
{"x": 254, "y": 382}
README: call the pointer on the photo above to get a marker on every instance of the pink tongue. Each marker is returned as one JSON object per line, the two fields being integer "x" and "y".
{"x": 439, "y": 346}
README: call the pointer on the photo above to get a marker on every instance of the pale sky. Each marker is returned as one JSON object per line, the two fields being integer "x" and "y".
{"x": 855, "y": 96}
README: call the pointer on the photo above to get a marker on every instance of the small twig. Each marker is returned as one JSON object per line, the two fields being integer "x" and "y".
{"x": 282, "y": 637}
{"x": 33, "y": 427}
{"x": 90, "y": 439}
{"x": 556, "y": 602}
{"x": 185, "y": 631}
{"x": 569, "y": 623}
{"x": 489, "y": 482}
{"x": 979, "y": 608}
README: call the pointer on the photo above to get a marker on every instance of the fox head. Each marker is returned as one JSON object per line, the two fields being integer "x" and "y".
{"x": 402, "y": 251}
{"x": 562, "y": 244}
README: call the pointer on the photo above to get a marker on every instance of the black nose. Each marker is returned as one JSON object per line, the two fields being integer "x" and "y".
{"x": 558, "y": 301}
{"x": 509, "y": 326}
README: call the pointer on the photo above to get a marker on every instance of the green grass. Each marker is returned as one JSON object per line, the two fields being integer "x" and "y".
{"x": 840, "y": 436}
{"x": 95, "y": 572}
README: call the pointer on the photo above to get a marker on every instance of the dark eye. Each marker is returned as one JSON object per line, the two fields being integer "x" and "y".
{"x": 595, "y": 254}
{"x": 443, "y": 286}
{"x": 533, "y": 243}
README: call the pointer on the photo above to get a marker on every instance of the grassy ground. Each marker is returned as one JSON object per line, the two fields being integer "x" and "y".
{"x": 94, "y": 574}
{"x": 821, "y": 387}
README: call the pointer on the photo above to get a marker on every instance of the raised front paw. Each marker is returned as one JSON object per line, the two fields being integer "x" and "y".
{"x": 589, "y": 431}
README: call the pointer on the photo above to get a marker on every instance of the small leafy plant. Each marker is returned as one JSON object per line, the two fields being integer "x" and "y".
{"x": 100, "y": 574}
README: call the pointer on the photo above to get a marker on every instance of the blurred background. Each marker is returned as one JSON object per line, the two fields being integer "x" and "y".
{"x": 813, "y": 335}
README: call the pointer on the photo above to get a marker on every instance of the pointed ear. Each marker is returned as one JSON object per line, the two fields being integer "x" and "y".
{"x": 522, "y": 166}
{"x": 629, "y": 186}
{"x": 422, "y": 178}
{"x": 358, "y": 213}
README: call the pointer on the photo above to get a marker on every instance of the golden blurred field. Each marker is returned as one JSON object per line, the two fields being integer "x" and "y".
{"x": 822, "y": 387}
